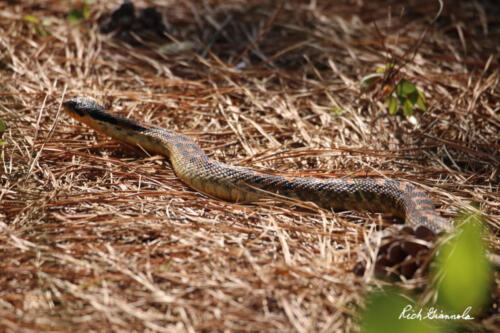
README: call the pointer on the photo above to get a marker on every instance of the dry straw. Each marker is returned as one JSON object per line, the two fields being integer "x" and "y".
{"x": 96, "y": 236}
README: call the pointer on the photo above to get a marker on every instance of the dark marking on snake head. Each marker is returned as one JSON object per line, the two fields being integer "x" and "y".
{"x": 87, "y": 107}
{"x": 82, "y": 106}
{"x": 117, "y": 120}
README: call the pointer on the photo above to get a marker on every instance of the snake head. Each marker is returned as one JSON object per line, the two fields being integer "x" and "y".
{"x": 80, "y": 107}
{"x": 94, "y": 115}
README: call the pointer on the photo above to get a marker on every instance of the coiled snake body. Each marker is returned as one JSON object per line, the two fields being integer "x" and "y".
{"x": 240, "y": 184}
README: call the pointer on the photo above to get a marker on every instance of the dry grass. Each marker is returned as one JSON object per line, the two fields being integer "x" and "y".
{"x": 97, "y": 236}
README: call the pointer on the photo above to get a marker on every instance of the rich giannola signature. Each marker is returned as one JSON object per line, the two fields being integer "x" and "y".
{"x": 432, "y": 313}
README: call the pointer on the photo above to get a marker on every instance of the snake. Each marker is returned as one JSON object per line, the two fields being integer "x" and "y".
{"x": 242, "y": 185}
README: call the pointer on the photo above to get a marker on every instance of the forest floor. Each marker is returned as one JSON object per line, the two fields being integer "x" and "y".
{"x": 96, "y": 236}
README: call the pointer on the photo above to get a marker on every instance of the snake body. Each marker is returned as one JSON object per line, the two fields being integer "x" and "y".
{"x": 240, "y": 184}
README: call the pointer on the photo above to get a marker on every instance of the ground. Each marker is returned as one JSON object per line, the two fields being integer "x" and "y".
{"x": 96, "y": 235}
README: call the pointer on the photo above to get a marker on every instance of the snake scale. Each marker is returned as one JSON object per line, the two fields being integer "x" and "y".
{"x": 239, "y": 184}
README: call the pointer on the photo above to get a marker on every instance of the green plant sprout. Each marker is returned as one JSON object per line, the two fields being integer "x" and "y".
{"x": 80, "y": 13}
{"x": 402, "y": 95}
{"x": 465, "y": 274}
{"x": 37, "y": 24}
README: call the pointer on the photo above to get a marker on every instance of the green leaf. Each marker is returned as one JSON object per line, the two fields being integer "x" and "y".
{"x": 76, "y": 15}
{"x": 405, "y": 88}
{"x": 32, "y": 19}
{"x": 421, "y": 104}
{"x": 3, "y": 126}
{"x": 401, "y": 99}
{"x": 413, "y": 97}
{"x": 387, "y": 67}
{"x": 467, "y": 275}
{"x": 37, "y": 26}
{"x": 2, "y": 142}
{"x": 41, "y": 30}
{"x": 392, "y": 104}
{"x": 421, "y": 95}
{"x": 392, "y": 312}
{"x": 337, "y": 111}
{"x": 408, "y": 108}
{"x": 421, "y": 101}
{"x": 86, "y": 12}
